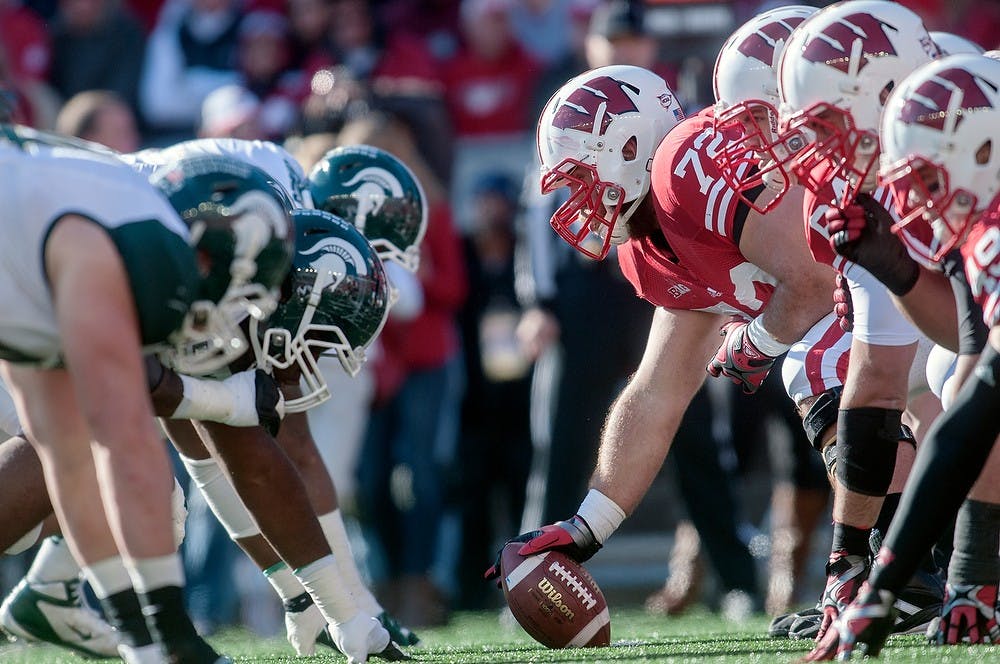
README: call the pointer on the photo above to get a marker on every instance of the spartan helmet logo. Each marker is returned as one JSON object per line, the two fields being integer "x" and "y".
{"x": 951, "y": 93}
{"x": 333, "y": 259}
{"x": 373, "y": 186}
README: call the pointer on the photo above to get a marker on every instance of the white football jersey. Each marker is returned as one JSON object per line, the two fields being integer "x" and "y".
{"x": 269, "y": 157}
{"x": 39, "y": 185}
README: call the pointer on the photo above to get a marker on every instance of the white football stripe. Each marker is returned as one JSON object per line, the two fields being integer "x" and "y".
{"x": 517, "y": 575}
{"x": 590, "y": 629}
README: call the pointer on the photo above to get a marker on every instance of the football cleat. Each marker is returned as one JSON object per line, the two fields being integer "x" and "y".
{"x": 305, "y": 626}
{"x": 780, "y": 627}
{"x": 193, "y": 650}
{"x": 360, "y": 637}
{"x": 969, "y": 615}
{"x": 918, "y": 603}
{"x": 399, "y": 633}
{"x": 56, "y": 613}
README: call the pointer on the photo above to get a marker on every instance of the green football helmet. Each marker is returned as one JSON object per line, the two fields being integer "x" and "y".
{"x": 242, "y": 233}
{"x": 378, "y": 194}
{"x": 335, "y": 300}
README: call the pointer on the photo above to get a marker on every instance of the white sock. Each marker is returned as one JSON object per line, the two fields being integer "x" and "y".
{"x": 159, "y": 572}
{"x": 221, "y": 496}
{"x": 54, "y": 562}
{"x": 327, "y": 589}
{"x": 336, "y": 536}
{"x": 283, "y": 580}
{"x": 107, "y": 577}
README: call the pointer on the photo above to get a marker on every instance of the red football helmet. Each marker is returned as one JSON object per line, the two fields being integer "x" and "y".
{"x": 597, "y": 136}
{"x": 746, "y": 93}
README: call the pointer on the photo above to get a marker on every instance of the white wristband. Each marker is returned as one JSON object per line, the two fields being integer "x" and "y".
{"x": 231, "y": 401}
{"x": 764, "y": 340}
{"x": 602, "y": 515}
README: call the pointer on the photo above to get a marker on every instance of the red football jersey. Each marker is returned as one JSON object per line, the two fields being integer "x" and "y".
{"x": 700, "y": 219}
{"x": 981, "y": 252}
{"x": 815, "y": 205}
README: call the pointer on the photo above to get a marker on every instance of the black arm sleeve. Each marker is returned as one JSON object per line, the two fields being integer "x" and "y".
{"x": 972, "y": 331}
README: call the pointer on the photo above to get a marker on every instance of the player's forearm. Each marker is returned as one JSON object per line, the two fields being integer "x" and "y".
{"x": 930, "y": 305}
{"x": 637, "y": 437}
{"x": 795, "y": 306}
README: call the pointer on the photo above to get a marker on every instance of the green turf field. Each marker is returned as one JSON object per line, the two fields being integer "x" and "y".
{"x": 479, "y": 637}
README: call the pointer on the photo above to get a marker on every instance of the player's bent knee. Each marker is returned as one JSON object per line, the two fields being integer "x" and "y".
{"x": 820, "y": 420}
{"x": 867, "y": 440}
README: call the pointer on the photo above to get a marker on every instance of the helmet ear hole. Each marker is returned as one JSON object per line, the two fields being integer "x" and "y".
{"x": 630, "y": 149}
{"x": 984, "y": 152}
{"x": 884, "y": 94}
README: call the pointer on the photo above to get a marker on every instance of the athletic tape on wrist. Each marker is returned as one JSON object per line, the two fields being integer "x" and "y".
{"x": 764, "y": 340}
{"x": 601, "y": 514}
{"x": 204, "y": 399}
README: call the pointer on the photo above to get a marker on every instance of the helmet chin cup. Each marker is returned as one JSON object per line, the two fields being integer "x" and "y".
{"x": 587, "y": 219}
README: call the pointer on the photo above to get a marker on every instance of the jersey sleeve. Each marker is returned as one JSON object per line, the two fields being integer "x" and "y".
{"x": 162, "y": 274}
{"x": 686, "y": 180}
{"x": 981, "y": 253}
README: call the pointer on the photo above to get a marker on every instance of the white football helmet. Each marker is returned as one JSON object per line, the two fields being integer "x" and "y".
{"x": 941, "y": 145}
{"x": 951, "y": 44}
{"x": 746, "y": 94}
{"x": 597, "y": 136}
{"x": 834, "y": 77}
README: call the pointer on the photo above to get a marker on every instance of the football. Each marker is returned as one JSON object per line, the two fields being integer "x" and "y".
{"x": 554, "y": 599}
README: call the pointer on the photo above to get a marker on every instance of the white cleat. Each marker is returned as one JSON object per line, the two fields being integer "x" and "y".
{"x": 56, "y": 613}
{"x": 360, "y": 637}
{"x": 303, "y": 628}
{"x": 151, "y": 654}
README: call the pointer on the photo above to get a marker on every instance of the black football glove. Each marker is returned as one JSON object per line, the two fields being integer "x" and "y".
{"x": 573, "y": 537}
{"x": 862, "y": 233}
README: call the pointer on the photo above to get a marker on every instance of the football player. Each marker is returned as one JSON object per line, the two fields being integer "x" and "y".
{"x": 201, "y": 401}
{"x": 939, "y": 132}
{"x": 93, "y": 277}
{"x": 691, "y": 247}
{"x": 304, "y": 622}
{"x": 830, "y": 77}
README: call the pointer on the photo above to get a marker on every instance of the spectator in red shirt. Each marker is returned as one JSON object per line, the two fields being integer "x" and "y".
{"x": 25, "y": 40}
{"x": 490, "y": 85}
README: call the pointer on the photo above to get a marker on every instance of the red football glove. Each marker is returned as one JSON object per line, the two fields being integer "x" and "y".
{"x": 573, "y": 537}
{"x": 969, "y": 615}
{"x": 861, "y": 629}
{"x": 844, "y": 576}
{"x": 739, "y": 360}
{"x": 842, "y": 304}
{"x": 862, "y": 233}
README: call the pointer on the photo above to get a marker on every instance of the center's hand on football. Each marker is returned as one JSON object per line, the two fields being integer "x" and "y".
{"x": 573, "y": 537}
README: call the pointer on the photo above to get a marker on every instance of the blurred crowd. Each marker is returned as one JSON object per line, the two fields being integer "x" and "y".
{"x": 480, "y": 414}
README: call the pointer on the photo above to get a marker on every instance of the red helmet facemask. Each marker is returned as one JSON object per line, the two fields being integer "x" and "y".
{"x": 851, "y": 152}
{"x": 928, "y": 207}
{"x": 584, "y": 220}
{"x": 757, "y": 157}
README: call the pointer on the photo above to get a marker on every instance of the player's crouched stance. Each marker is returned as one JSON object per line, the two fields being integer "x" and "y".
{"x": 90, "y": 279}
{"x": 943, "y": 168}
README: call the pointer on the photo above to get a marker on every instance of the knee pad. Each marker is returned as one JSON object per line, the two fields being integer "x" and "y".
{"x": 867, "y": 439}
{"x": 822, "y": 414}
